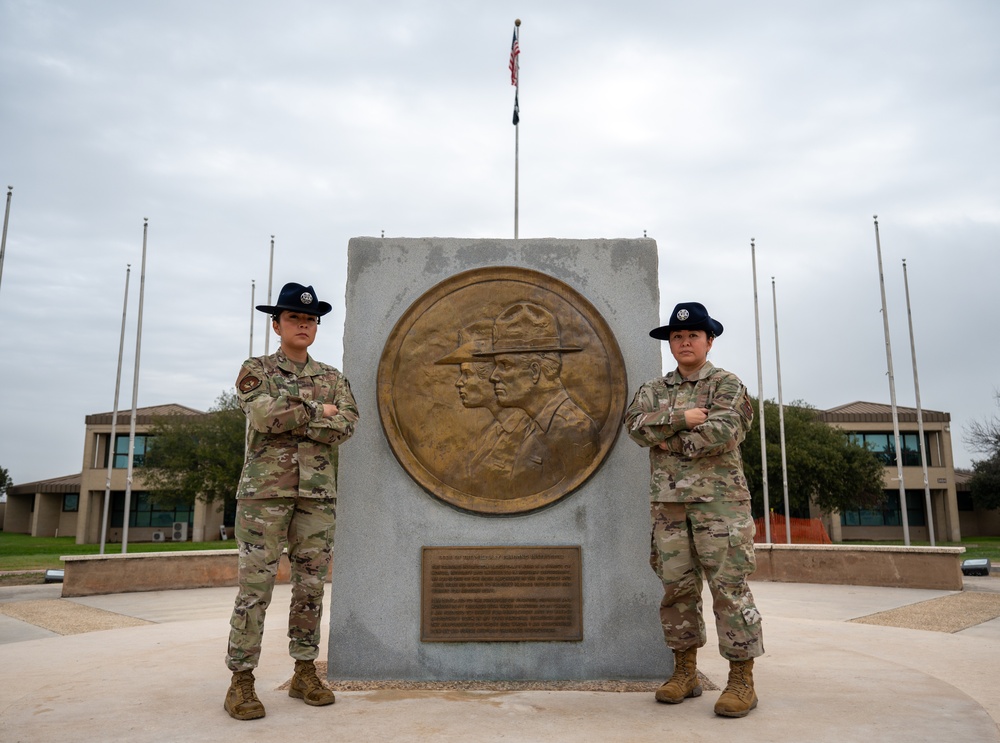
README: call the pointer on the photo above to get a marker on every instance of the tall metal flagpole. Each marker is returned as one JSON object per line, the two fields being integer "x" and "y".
{"x": 135, "y": 392}
{"x": 920, "y": 414}
{"x": 781, "y": 419}
{"x": 114, "y": 415}
{"x": 253, "y": 289}
{"x": 3, "y": 240}
{"x": 270, "y": 277}
{"x": 515, "y": 80}
{"x": 892, "y": 393}
{"x": 760, "y": 398}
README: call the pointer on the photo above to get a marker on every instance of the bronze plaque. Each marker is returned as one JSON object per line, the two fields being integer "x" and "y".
{"x": 501, "y": 594}
{"x": 501, "y": 390}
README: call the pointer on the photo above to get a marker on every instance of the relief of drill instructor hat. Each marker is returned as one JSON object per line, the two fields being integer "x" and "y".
{"x": 297, "y": 298}
{"x": 472, "y": 339}
{"x": 688, "y": 316}
{"x": 526, "y": 327}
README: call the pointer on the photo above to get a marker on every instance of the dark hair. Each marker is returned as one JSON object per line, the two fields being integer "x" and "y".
{"x": 277, "y": 317}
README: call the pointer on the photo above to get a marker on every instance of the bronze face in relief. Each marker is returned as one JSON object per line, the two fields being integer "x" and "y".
{"x": 501, "y": 390}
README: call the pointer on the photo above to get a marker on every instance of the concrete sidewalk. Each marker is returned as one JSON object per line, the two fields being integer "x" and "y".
{"x": 822, "y": 678}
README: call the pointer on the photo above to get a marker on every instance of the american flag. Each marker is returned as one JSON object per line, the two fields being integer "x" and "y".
{"x": 514, "y": 52}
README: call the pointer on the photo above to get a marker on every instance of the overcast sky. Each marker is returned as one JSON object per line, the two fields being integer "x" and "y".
{"x": 702, "y": 125}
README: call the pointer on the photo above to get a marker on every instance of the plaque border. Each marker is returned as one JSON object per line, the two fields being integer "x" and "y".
{"x": 527, "y": 637}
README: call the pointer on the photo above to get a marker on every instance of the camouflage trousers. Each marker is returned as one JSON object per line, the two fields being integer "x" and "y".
{"x": 694, "y": 542}
{"x": 264, "y": 527}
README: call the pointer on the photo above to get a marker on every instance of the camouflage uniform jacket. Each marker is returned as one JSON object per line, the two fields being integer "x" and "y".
{"x": 699, "y": 464}
{"x": 290, "y": 444}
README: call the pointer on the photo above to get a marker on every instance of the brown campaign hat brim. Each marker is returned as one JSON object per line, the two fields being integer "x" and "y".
{"x": 529, "y": 349}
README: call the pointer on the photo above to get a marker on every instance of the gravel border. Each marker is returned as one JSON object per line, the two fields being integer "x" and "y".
{"x": 604, "y": 685}
{"x": 950, "y": 614}
{"x": 67, "y": 617}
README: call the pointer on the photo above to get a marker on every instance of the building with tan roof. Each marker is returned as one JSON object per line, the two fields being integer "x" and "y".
{"x": 870, "y": 424}
{"x": 74, "y": 505}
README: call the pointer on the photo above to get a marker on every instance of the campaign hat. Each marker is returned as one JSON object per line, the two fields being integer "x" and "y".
{"x": 297, "y": 298}
{"x": 688, "y": 316}
{"x": 472, "y": 339}
{"x": 526, "y": 327}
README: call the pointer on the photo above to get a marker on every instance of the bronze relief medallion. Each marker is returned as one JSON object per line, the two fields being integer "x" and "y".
{"x": 501, "y": 390}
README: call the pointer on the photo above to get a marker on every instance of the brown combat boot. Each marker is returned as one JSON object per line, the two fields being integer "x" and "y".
{"x": 241, "y": 700}
{"x": 739, "y": 697}
{"x": 684, "y": 681}
{"x": 307, "y": 686}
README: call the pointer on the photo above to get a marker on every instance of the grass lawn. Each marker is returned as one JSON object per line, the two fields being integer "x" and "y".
{"x": 23, "y": 552}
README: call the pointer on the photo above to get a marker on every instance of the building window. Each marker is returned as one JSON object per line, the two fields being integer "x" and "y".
{"x": 888, "y": 514}
{"x": 71, "y": 502}
{"x": 965, "y": 502}
{"x": 143, "y": 512}
{"x": 121, "y": 450}
{"x": 883, "y": 446}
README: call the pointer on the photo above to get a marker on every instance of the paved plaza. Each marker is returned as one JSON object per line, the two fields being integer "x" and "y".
{"x": 158, "y": 674}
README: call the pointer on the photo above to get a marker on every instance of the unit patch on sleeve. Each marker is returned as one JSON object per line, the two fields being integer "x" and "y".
{"x": 248, "y": 384}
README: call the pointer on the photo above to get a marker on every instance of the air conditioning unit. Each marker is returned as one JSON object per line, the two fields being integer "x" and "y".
{"x": 159, "y": 536}
{"x": 180, "y": 533}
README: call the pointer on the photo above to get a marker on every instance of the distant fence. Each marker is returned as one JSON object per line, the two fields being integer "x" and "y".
{"x": 804, "y": 531}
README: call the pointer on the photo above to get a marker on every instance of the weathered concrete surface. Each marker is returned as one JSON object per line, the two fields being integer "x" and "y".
{"x": 86, "y": 575}
{"x": 861, "y": 565}
{"x": 384, "y": 517}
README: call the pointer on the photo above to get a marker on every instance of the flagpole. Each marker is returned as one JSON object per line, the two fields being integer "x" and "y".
{"x": 135, "y": 392}
{"x": 114, "y": 415}
{"x": 3, "y": 240}
{"x": 760, "y": 398}
{"x": 253, "y": 289}
{"x": 781, "y": 419}
{"x": 515, "y": 79}
{"x": 892, "y": 393}
{"x": 270, "y": 276}
{"x": 920, "y": 414}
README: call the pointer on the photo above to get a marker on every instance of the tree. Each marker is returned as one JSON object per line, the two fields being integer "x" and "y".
{"x": 984, "y": 437}
{"x": 5, "y": 482}
{"x": 824, "y": 466}
{"x": 985, "y": 483}
{"x": 196, "y": 457}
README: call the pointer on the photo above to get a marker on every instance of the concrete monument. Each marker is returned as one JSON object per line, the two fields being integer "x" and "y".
{"x": 486, "y": 494}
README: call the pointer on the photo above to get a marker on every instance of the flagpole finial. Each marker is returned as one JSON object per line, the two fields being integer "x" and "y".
{"x": 875, "y": 217}
{"x": 517, "y": 21}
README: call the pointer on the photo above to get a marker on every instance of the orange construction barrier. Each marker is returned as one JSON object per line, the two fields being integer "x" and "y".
{"x": 804, "y": 531}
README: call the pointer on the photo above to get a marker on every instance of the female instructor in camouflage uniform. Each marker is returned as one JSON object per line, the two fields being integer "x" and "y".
{"x": 693, "y": 421}
{"x": 298, "y": 411}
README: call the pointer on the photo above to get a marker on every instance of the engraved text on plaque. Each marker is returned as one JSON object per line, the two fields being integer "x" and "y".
{"x": 498, "y": 594}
